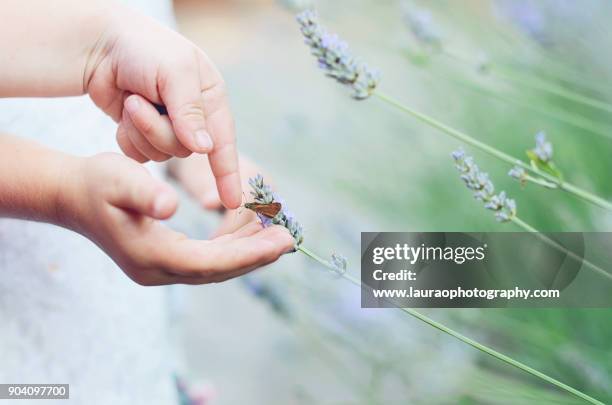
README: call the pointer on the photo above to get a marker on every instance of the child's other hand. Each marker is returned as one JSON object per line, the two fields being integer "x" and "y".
{"x": 195, "y": 175}
{"x": 117, "y": 204}
{"x": 137, "y": 62}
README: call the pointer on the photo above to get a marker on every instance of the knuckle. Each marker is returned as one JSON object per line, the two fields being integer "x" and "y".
{"x": 215, "y": 98}
{"x": 191, "y": 111}
{"x": 220, "y": 89}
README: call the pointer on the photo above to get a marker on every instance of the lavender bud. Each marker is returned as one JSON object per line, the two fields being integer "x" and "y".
{"x": 262, "y": 194}
{"x": 543, "y": 148}
{"x": 483, "y": 188}
{"x": 334, "y": 58}
{"x": 518, "y": 173}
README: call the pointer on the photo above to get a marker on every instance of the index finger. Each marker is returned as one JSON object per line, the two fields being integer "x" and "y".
{"x": 220, "y": 125}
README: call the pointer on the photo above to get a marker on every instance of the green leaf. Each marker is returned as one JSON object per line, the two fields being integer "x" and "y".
{"x": 547, "y": 167}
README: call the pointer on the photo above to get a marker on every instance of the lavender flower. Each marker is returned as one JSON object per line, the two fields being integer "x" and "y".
{"x": 479, "y": 182}
{"x": 334, "y": 58}
{"x": 518, "y": 173}
{"x": 263, "y": 194}
{"x": 541, "y": 160}
{"x": 528, "y": 16}
{"x": 422, "y": 27}
{"x": 543, "y": 148}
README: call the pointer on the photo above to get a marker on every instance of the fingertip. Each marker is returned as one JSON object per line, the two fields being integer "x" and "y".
{"x": 230, "y": 190}
{"x": 281, "y": 237}
{"x": 165, "y": 202}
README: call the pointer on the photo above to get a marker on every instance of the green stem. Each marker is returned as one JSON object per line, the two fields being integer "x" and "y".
{"x": 541, "y": 182}
{"x": 570, "y": 188}
{"x": 553, "y": 68}
{"x": 315, "y": 257}
{"x": 553, "y": 89}
{"x": 561, "y": 248}
{"x": 459, "y": 336}
{"x": 538, "y": 84}
{"x": 572, "y": 119}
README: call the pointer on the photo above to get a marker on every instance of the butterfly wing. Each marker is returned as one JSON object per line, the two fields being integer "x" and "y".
{"x": 267, "y": 210}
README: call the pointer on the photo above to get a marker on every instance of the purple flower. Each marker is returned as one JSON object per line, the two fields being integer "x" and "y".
{"x": 334, "y": 58}
{"x": 422, "y": 26}
{"x": 543, "y": 148}
{"x": 263, "y": 194}
{"x": 479, "y": 182}
{"x": 528, "y": 16}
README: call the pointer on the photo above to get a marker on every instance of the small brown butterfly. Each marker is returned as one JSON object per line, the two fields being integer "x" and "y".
{"x": 267, "y": 210}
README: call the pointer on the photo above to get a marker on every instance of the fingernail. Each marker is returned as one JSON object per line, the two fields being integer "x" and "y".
{"x": 203, "y": 141}
{"x": 290, "y": 250}
{"x": 132, "y": 104}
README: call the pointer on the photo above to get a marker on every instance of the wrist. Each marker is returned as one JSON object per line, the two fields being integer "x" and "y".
{"x": 35, "y": 181}
{"x": 101, "y": 27}
{"x": 67, "y": 191}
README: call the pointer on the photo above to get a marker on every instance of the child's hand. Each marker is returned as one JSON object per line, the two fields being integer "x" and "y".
{"x": 116, "y": 203}
{"x": 138, "y": 62}
{"x": 125, "y": 61}
{"x": 194, "y": 174}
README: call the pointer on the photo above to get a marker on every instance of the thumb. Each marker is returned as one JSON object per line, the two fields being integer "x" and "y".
{"x": 137, "y": 190}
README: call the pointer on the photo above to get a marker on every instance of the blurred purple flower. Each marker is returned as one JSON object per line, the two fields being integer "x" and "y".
{"x": 268, "y": 293}
{"x": 528, "y": 16}
{"x": 422, "y": 26}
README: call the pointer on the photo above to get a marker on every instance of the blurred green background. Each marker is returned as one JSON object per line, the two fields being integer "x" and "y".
{"x": 293, "y": 334}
